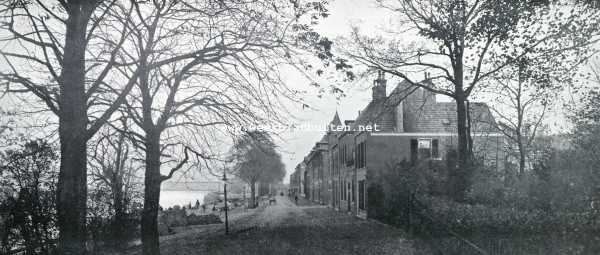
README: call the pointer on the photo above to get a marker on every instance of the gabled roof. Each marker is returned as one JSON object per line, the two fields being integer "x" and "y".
{"x": 441, "y": 117}
{"x": 378, "y": 110}
{"x": 336, "y": 120}
{"x": 429, "y": 117}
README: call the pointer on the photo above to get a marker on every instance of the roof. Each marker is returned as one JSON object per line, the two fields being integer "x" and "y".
{"x": 336, "y": 120}
{"x": 441, "y": 117}
{"x": 427, "y": 115}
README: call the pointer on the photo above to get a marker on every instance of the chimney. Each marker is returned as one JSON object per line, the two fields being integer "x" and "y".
{"x": 379, "y": 86}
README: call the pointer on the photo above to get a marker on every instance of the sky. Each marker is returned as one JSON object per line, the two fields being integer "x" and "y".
{"x": 344, "y": 13}
{"x": 370, "y": 20}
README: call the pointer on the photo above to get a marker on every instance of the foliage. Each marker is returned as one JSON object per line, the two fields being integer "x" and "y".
{"x": 460, "y": 179}
{"x": 176, "y": 217}
{"x": 391, "y": 191}
{"x": 28, "y": 191}
{"x": 558, "y": 182}
{"x": 586, "y": 139}
{"x": 256, "y": 159}
{"x": 470, "y": 218}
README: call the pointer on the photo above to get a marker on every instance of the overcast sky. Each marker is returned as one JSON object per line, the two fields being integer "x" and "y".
{"x": 371, "y": 20}
{"x": 344, "y": 13}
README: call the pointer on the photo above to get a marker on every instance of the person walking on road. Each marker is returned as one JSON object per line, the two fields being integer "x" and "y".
{"x": 296, "y": 199}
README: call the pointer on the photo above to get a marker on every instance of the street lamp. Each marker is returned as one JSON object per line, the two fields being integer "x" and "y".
{"x": 225, "y": 197}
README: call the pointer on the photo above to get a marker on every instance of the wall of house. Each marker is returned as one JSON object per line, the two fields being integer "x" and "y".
{"x": 325, "y": 175}
{"x": 347, "y": 173}
{"x": 361, "y": 178}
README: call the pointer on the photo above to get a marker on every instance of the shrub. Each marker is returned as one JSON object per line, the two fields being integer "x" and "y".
{"x": 391, "y": 191}
{"x": 27, "y": 179}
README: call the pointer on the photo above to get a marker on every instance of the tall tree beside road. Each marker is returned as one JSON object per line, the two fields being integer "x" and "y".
{"x": 46, "y": 52}
{"x": 256, "y": 160}
{"x": 205, "y": 68}
{"x": 462, "y": 43}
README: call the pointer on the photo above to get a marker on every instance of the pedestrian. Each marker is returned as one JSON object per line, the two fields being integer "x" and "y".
{"x": 296, "y": 199}
{"x": 203, "y": 208}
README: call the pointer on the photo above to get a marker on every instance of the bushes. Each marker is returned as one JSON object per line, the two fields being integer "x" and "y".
{"x": 27, "y": 211}
{"x": 557, "y": 182}
{"x": 551, "y": 198}
{"x": 178, "y": 218}
{"x": 390, "y": 191}
{"x": 480, "y": 218}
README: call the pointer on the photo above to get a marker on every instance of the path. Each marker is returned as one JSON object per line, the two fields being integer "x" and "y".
{"x": 285, "y": 228}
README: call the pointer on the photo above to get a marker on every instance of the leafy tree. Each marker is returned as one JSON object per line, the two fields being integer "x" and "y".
{"x": 256, "y": 161}
{"x": 586, "y": 138}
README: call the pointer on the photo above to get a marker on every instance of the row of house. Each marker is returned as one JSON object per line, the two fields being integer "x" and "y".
{"x": 408, "y": 124}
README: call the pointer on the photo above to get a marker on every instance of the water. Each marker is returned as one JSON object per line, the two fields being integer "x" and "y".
{"x": 170, "y": 198}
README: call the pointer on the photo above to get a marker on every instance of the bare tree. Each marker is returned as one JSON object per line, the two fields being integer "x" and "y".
{"x": 113, "y": 165}
{"x": 462, "y": 43}
{"x": 520, "y": 107}
{"x": 47, "y": 49}
{"x": 207, "y": 68}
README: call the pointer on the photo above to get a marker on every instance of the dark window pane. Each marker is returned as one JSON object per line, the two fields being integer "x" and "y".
{"x": 361, "y": 195}
{"x": 414, "y": 143}
{"x": 435, "y": 148}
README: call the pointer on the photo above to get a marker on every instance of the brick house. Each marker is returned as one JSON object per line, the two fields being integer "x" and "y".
{"x": 409, "y": 124}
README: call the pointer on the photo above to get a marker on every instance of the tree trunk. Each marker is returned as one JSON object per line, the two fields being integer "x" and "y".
{"x": 119, "y": 218}
{"x": 72, "y": 193}
{"x": 463, "y": 133}
{"x": 72, "y": 188}
{"x": 119, "y": 221}
{"x": 152, "y": 181}
{"x": 521, "y": 155}
{"x": 461, "y": 184}
{"x": 253, "y": 194}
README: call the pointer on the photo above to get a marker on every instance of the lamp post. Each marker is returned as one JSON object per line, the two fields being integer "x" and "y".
{"x": 225, "y": 197}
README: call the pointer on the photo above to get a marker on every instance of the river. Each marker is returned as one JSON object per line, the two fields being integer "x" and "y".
{"x": 170, "y": 198}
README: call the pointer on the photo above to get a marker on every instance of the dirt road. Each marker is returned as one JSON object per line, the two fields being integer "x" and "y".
{"x": 285, "y": 228}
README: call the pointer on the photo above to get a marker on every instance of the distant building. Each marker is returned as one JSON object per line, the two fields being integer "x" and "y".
{"x": 409, "y": 124}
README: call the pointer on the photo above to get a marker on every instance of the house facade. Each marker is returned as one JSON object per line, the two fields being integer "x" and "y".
{"x": 408, "y": 124}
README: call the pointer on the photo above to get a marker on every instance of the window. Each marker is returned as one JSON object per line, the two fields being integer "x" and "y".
{"x": 350, "y": 156}
{"x": 353, "y": 193}
{"x": 348, "y": 190}
{"x": 361, "y": 194}
{"x": 424, "y": 148}
{"x": 435, "y": 148}
{"x": 361, "y": 160}
{"x": 414, "y": 145}
{"x": 343, "y": 192}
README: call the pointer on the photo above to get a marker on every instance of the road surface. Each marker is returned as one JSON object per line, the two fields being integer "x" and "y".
{"x": 285, "y": 228}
